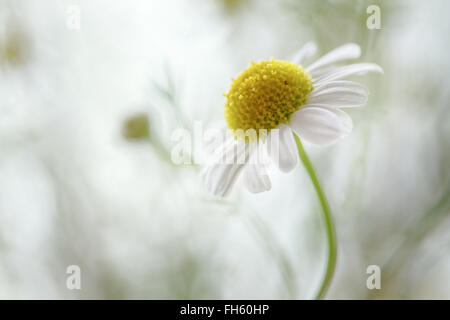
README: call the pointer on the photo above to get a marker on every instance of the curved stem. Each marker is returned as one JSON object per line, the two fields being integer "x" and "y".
{"x": 332, "y": 247}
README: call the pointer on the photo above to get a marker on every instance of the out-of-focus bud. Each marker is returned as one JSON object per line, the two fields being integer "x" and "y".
{"x": 14, "y": 45}
{"x": 231, "y": 5}
{"x": 136, "y": 127}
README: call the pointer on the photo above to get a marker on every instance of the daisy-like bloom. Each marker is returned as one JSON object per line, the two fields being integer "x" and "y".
{"x": 281, "y": 97}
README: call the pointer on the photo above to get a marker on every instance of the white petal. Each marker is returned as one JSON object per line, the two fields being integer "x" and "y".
{"x": 347, "y": 51}
{"x": 221, "y": 178}
{"x": 220, "y": 175}
{"x": 256, "y": 178}
{"x": 341, "y": 84}
{"x": 216, "y": 148}
{"x": 346, "y": 121}
{"x": 321, "y": 126}
{"x": 339, "y": 96}
{"x": 315, "y": 74}
{"x": 282, "y": 148}
{"x": 345, "y": 71}
{"x": 308, "y": 50}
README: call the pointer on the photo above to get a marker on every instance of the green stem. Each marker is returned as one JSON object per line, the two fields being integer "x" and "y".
{"x": 332, "y": 247}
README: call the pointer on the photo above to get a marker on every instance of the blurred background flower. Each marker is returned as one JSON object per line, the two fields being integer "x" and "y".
{"x": 86, "y": 116}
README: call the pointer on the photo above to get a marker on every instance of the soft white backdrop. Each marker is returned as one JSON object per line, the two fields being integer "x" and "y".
{"x": 74, "y": 190}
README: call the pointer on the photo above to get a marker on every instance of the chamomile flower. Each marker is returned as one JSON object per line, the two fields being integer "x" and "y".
{"x": 282, "y": 98}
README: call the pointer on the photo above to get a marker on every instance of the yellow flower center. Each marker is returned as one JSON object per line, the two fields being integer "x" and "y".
{"x": 266, "y": 95}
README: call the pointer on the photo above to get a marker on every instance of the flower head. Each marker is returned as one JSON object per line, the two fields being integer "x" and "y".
{"x": 282, "y": 97}
{"x": 266, "y": 95}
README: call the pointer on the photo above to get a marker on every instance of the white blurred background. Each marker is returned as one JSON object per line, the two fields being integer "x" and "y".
{"x": 88, "y": 103}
